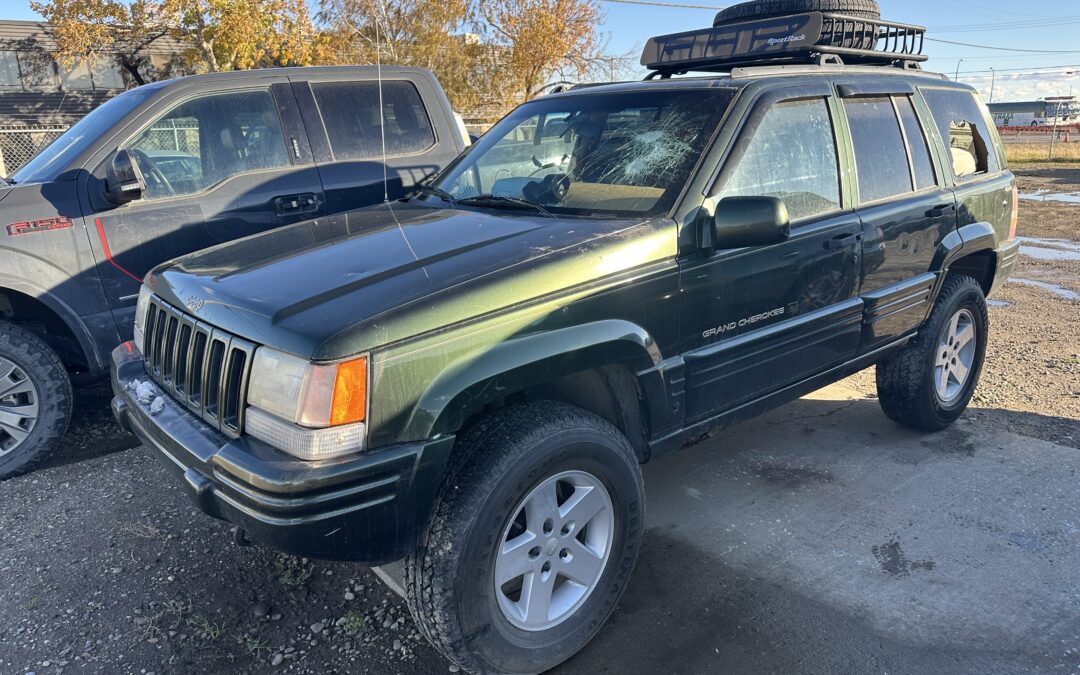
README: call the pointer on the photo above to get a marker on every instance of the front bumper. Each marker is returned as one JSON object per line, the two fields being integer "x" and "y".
{"x": 368, "y": 507}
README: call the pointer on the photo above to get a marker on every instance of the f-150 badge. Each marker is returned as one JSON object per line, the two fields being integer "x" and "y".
{"x": 40, "y": 225}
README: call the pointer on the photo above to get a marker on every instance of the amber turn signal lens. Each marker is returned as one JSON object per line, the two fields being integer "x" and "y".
{"x": 350, "y": 393}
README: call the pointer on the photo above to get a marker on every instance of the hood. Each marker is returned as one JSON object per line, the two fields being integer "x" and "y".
{"x": 335, "y": 286}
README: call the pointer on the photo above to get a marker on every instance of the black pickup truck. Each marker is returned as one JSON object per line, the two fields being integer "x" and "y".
{"x": 469, "y": 380}
{"x": 174, "y": 167}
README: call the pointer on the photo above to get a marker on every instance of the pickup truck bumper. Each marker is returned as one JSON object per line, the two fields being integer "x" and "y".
{"x": 367, "y": 508}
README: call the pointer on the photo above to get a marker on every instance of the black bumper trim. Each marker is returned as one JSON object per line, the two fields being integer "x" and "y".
{"x": 368, "y": 507}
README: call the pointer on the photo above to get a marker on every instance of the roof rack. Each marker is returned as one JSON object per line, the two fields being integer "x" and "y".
{"x": 818, "y": 38}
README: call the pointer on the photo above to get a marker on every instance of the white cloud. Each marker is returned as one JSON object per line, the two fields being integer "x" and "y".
{"x": 1025, "y": 86}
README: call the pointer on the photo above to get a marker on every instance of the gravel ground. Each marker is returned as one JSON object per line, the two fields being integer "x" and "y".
{"x": 103, "y": 571}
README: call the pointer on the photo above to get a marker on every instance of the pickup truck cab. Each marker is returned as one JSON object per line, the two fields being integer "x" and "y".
{"x": 469, "y": 380}
{"x": 204, "y": 160}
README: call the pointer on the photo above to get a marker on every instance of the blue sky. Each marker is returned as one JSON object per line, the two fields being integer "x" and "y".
{"x": 1052, "y": 25}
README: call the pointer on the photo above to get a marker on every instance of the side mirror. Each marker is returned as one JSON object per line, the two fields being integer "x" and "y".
{"x": 124, "y": 178}
{"x": 750, "y": 221}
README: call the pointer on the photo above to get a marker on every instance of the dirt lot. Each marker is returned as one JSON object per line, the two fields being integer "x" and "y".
{"x": 818, "y": 541}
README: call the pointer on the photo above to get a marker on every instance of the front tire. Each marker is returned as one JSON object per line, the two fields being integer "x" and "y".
{"x": 532, "y": 541}
{"x": 35, "y": 400}
{"x": 928, "y": 384}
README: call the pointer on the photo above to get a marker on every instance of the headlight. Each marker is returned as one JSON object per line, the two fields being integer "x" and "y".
{"x": 312, "y": 411}
{"x": 140, "y": 316}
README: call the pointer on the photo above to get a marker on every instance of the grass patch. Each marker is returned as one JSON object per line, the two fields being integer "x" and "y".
{"x": 293, "y": 571}
{"x": 354, "y": 623}
{"x": 207, "y": 628}
{"x": 1020, "y": 153}
{"x": 253, "y": 644}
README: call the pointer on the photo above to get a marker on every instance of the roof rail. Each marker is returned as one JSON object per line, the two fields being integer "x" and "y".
{"x": 813, "y": 38}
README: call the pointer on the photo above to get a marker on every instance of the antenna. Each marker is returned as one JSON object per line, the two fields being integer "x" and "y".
{"x": 382, "y": 118}
{"x": 382, "y": 134}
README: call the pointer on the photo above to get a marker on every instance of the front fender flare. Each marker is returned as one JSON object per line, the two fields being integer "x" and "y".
{"x": 522, "y": 362}
{"x": 96, "y": 360}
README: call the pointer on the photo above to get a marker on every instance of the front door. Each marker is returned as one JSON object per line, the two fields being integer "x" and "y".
{"x": 758, "y": 319}
{"x": 217, "y": 167}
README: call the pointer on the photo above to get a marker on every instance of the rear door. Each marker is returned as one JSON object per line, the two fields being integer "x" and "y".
{"x": 219, "y": 165}
{"x": 905, "y": 207}
{"x": 364, "y": 154}
{"x": 758, "y": 319}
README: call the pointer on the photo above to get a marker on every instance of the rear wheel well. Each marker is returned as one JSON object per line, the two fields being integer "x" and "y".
{"x": 980, "y": 266}
{"x": 611, "y": 392}
{"x": 37, "y": 317}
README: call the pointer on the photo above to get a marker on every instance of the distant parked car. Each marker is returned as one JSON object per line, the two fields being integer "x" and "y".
{"x": 170, "y": 168}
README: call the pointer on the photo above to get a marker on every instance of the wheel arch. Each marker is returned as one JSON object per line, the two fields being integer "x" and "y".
{"x": 592, "y": 366}
{"x": 21, "y": 302}
{"x": 969, "y": 250}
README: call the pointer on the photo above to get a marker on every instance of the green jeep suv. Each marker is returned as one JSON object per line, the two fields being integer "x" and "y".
{"x": 470, "y": 379}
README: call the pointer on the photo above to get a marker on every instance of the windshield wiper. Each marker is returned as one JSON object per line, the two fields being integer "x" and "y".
{"x": 499, "y": 200}
{"x": 438, "y": 192}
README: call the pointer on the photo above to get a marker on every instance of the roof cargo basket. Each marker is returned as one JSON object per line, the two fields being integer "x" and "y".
{"x": 811, "y": 38}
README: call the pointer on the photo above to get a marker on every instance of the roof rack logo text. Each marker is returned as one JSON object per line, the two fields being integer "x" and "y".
{"x": 787, "y": 40}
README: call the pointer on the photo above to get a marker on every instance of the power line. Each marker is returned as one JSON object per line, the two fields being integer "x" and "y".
{"x": 1007, "y": 49}
{"x": 665, "y": 4}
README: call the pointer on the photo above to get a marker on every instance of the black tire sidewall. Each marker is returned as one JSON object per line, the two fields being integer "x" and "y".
{"x": 493, "y": 639}
{"x": 769, "y": 9}
{"x": 44, "y": 368}
{"x": 968, "y": 297}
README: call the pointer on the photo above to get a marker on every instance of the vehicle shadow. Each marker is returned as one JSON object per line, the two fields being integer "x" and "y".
{"x": 822, "y": 537}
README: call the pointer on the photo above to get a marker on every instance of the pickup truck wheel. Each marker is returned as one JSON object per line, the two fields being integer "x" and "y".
{"x": 929, "y": 383}
{"x": 35, "y": 400}
{"x": 532, "y": 541}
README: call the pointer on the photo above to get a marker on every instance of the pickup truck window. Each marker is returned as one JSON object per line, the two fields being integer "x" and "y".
{"x": 791, "y": 156}
{"x": 48, "y": 163}
{"x": 205, "y": 140}
{"x": 963, "y": 125}
{"x": 624, "y": 154}
{"x": 350, "y": 111}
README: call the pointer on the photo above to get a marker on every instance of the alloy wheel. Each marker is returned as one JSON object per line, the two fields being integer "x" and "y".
{"x": 18, "y": 406}
{"x": 554, "y": 550}
{"x": 955, "y": 357}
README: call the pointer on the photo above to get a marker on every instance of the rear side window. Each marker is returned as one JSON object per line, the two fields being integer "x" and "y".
{"x": 350, "y": 111}
{"x": 880, "y": 155}
{"x": 919, "y": 149}
{"x": 962, "y": 124}
{"x": 791, "y": 156}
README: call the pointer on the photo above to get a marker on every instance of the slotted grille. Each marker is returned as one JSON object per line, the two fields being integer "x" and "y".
{"x": 203, "y": 367}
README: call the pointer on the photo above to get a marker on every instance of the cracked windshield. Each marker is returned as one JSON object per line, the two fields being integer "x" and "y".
{"x": 616, "y": 154}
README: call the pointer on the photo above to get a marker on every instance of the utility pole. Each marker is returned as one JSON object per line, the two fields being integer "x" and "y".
{"x": 993, "y": 78}
{"x": 1053, "y": 134}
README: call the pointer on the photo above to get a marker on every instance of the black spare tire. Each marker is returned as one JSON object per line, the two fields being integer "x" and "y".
{"x": 768, "y": 9}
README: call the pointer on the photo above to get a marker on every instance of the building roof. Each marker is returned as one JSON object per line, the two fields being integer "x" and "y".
{"x": 28, "y": 35}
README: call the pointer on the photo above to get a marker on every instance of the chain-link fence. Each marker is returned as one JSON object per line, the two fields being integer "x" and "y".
{"x": 176, "y": 135}
{"x": 18, "y": 144}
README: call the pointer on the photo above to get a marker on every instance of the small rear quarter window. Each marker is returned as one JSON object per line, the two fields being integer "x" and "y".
{"x": 964, "y": 128}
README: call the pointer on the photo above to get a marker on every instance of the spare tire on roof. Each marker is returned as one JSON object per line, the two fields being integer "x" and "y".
{"x": 768, "y": 9}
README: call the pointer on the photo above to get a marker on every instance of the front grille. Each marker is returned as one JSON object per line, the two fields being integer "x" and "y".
{"x": 203, "y": 367}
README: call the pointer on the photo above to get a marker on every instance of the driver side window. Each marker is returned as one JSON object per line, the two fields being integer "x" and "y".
{"x": 791, "y": 156}
{"x": 206, "y": 140}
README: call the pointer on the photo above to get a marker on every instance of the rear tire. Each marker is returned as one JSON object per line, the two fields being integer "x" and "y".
{"x": 504, "y": 472}
{"x": 928, "y": 384}
{"x": 768, "y": 9}
{"x": 35, "y": 400}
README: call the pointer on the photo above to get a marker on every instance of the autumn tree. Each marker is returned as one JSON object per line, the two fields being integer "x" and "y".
{"x": 432, "y": 34}
{"x": 543, "y": 37}
{"x": 92, "y": 28}
{"x": 224, "y": 34}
